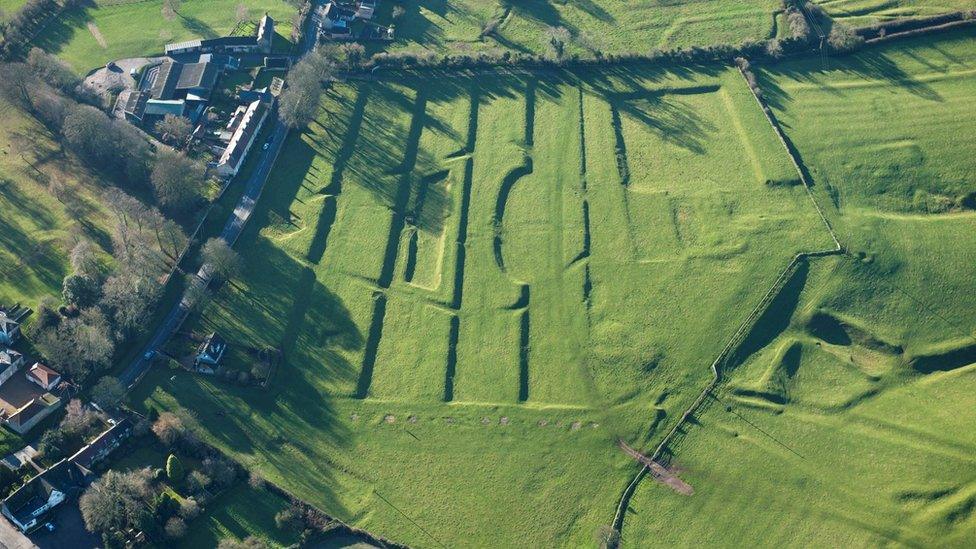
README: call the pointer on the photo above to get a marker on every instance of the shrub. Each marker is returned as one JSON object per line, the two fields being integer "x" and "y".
{"x": 290, "y": 520}
{"x": 174, "y": 468}
{"x": 189, "y": 509}
{"x": 842, "y": 38}
{"x": 175, "y": 528}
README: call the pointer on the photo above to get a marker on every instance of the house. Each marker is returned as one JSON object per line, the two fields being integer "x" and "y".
{"x": 366, "y": 8}
{"x": 350, "y": 22}
{"x": 10, "y": 362}
{"x": 29, "y": 503}
{"x": 211, "y": 351}
{"x": 103, "y": 445}
{"x": 244, "y": 136}
{"x": 266, "y": 32}
{"x": 336, "y": 17}
{"x": 30, "y": 414}
{"x": 9, "y": 329}
{"x": 42, "y": 375}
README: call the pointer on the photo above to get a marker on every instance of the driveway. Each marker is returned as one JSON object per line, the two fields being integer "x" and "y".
{"x": 11, "y": 538}
{"x": 69, "y": 530}
{"x": 104, "y": 79}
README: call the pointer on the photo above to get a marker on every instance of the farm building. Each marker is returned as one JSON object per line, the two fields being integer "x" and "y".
{"x": 266, "y": 32}
{"x": 10, "y": 362}
{"x": 171, "y": 86}
{"x": 29, "y": 503}
{"x": 225, "y": 44}
{"x": 242, "y": 139}
{"x": 9, "y": 329}
{"x": 212, "y": 350}
{"x": 43, "y": 376}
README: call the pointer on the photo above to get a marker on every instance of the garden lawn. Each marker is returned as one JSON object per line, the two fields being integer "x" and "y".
{"x": 849, "y": 420}
{"x": 608, "y": 26}
{"x": 478, "y": 286}
{"x": 867, "y": 12}
{"x": 90, "y": 36}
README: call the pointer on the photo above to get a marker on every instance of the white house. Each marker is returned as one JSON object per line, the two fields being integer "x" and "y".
{"x": 10, "y": 362}
{"x": 9, "y": 329}
{"x": 244, "y": 136}
{"x": 40, "y": 374}
{"x": 28, "y": 504}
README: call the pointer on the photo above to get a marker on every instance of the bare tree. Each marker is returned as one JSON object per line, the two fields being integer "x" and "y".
{"x": 177, "y": 127}
{"x": 130, "y": 299}
{"x": 108, "y": 392}
{"x": 177, "y": 180}
{"x": 224, "y": 262}
{"x": 84, "y": 258}
{"x": 116, "y": 500}
{"x": 558, "y": 38}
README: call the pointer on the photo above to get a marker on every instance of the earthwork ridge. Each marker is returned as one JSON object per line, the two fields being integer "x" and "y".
{"x": 728, "y": 355}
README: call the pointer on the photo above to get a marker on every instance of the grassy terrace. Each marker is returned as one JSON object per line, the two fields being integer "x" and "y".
{"x": 96, "y": 33}
{"x": 851, "y": 423}
{"x": 611, "y": 26}
{"x": 478, "y": 286}
{"x": 866, "y": 12}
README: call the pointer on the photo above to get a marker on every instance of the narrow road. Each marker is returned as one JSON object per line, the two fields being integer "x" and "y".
{"x": 232, "y": 229}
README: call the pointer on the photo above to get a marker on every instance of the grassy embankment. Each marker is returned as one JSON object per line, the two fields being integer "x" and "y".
{"x": 852, "y": 412}
{"x": 614, "y": 231}
{"x": 610, "y": 26}
{"x": 867, "y": 12}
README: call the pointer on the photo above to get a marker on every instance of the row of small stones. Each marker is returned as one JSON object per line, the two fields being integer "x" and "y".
{"x": 576, "y": 425}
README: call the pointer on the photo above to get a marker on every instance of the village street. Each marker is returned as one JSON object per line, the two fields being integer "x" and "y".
{"x": 232, "y": 229}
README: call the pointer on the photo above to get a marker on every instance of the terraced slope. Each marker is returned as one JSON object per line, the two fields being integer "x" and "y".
{"x": 848, "y": 419}
{"x": 865, "y": 12}
{"x": 479, "y": 285}
{"x": 609, "y": 26}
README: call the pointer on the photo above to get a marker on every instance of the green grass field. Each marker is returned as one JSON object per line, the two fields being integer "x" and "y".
{"x": 479, "y": 285}
{"x": 94, "y": 34}
{"x": 610, "y": 26}
{"x": 866, "y": 12}
{"x": 37, "y": 229}
{"x": 851, "y": 425}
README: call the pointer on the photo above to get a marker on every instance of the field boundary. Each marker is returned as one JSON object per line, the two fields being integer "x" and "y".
{"x": 737, "y": 337}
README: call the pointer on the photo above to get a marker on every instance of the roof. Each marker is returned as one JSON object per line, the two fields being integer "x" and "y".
{"x": 8, "y": 357}
{"x": 334, "y": 12}
{"x": 62, "y": 476}
{"x": 197, "y": 75}
{"x": 133, "y": 102}
{"x": 167, "y": 75}
{"x": 266, "y": 28}
{"x": 28, "y": 411}
{"x": 245, "y": 132}
{"x": 94, "y": 451}
{"x": 226, "y": 41}
{"x": 7, "y": 324}
{"x": 214, "y": 346}
{"x": 183, "y": 45}
{"x": 43, "y": 374}
{"x": 158, "y": 107}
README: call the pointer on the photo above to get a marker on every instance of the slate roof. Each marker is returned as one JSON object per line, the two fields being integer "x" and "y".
{"x": 8, "y": 357}
{"x": 197, "y": 75}
{"x": 105, "y": 442}
{"x": 244, "y": 135}
{"x": 167, "y": 76}
{"x": 62, "y": 476}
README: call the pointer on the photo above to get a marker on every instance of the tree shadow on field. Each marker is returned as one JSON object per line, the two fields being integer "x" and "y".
{"x": 872, "y": 64}
{"x": 60, "y": 30}
{"x": 775, "y": 320}
{"x": 197, "y": 27}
